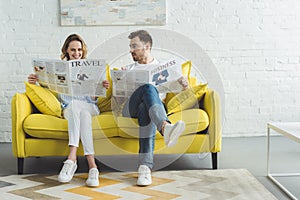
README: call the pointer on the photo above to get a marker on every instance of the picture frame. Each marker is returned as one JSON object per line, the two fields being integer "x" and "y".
{"x": 112, "y": 12}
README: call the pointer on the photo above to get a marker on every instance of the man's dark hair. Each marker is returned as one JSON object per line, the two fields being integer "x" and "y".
{"x": 143, "y": 35}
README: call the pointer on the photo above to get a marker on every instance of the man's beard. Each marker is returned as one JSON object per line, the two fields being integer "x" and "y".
{"x": 134, "y": 57}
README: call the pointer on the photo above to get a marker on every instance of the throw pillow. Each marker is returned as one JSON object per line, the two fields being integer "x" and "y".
{"x": 186, "y": 71}
{"x": 43, "y": 100}
{"x": 186, "y": 99}
{"x": 104, "y": 103}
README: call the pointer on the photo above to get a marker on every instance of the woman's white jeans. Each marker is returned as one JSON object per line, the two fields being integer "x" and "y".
{"x": 79, "y": 115}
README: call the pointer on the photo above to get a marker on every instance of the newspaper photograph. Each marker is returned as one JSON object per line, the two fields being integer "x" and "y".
{"x": 75, "y": 77}
{"x": 164, "y": 76}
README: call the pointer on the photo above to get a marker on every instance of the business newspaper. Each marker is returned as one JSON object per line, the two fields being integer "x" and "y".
{"x": 164, "y": 76}
{"x": 75, "y": 77}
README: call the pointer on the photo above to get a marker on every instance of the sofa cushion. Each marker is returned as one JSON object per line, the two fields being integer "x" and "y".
{"x": 44, "y": 100}
{"x": 104, "y": 125}
{"x": 186, "y": 99}
{"x": 196, "y": 120}
{"x": 47, "y": 126}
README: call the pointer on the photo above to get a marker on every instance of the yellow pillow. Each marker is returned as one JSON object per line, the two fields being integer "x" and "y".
{"x": 186, "y": 99}
{"x": 186, "y": 71}
{"x": 104, "y": 103}
{"x": 43, "y": 100}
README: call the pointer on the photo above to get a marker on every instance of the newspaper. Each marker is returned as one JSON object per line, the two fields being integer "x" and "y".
{"x": 75, "y": 77}
{"x": 164, "y": 76}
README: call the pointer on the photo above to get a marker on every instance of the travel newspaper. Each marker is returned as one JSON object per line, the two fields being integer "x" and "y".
{"x": 75, "y": 77}
{"x": 164, "y": 76}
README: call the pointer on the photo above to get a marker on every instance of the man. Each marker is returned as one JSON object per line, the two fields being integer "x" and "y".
{"x": 145, "y": 105}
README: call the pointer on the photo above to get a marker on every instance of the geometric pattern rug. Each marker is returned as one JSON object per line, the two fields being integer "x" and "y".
{"x": 231, "y": 184}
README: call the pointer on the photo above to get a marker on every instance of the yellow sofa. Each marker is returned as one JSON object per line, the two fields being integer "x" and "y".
{"x": 35, "y": 134}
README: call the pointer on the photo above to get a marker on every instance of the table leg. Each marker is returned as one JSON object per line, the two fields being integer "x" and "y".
{"x": 270, "y": 176}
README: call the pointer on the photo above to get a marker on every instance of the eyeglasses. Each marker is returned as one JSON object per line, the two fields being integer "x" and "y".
{"x": 135, "y": 46}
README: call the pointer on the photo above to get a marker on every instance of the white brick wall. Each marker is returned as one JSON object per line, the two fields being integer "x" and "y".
{"x": 254, "y": 44}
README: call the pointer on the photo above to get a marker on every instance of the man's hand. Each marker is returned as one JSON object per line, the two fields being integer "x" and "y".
{"x": 105, "y": 84}
{"x": 32, "y": 78}
{"x": 184, "y": 82}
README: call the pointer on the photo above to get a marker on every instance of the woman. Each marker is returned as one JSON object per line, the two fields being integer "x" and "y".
{"x": 78, "y": 110}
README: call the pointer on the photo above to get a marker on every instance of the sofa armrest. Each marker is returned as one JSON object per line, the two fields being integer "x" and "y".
{"x": 211, "y": 104}
{"x": 20, "y": 108}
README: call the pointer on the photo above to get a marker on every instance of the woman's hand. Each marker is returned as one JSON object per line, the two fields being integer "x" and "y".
{"x": 94, "y": 98}
{"x": 183, "y": 82}
{"x": 32, "y": 78}
{"x": 105, "y": 84}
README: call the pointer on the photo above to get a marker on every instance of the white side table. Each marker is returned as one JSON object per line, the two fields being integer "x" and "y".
{"x": 290, "y": 130}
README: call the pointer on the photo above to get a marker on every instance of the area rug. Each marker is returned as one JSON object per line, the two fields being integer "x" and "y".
{"x": 233, "y": 184}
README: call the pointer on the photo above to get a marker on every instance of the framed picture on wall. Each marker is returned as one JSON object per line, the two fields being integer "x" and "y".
{"x": 112, "y": 12}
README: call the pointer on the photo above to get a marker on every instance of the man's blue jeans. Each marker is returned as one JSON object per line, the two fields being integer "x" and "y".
{"x": 145, "y": 105}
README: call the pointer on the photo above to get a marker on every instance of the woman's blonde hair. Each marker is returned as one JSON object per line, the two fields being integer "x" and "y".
{"x": 70, "y": 38}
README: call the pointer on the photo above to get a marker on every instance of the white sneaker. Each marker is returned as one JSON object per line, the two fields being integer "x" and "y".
{"x": 172, "y": 132}
{"x": 144, "y": 178}
{"x": 67, "y": 172}
{"x": 93, "y": 179}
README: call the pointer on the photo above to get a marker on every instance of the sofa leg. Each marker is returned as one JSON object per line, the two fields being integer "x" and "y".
{"x": 20, "y": 165}
{"x": 214, "y": 160}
